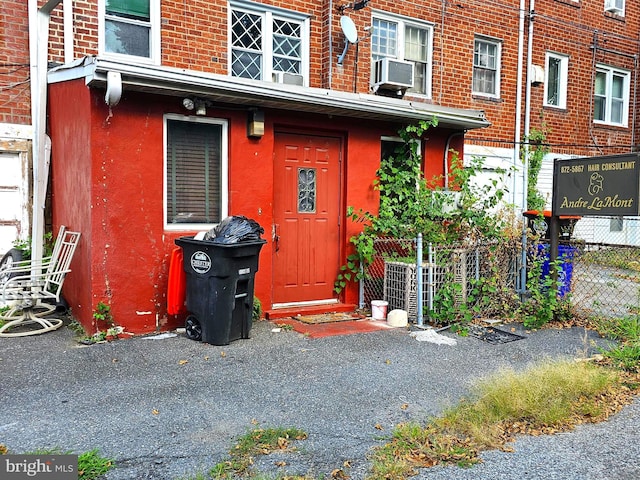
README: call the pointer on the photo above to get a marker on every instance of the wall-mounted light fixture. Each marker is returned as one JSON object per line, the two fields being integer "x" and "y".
{"x": 201, "y": 107}
{"x": 359, "y": 5}
{"x": 255, "y": 124}
{"x": 188, "y": 103}
{"x": 197, "y": 104}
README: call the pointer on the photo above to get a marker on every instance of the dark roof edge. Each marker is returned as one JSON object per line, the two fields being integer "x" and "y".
{"x": 222, "y": 88}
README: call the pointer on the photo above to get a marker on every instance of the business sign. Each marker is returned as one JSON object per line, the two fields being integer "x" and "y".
{"x": 608, "y": 185}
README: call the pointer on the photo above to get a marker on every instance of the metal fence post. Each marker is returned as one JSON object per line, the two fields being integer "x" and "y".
{"x": 419, "y": 279}
{"x": 430, "y": 278}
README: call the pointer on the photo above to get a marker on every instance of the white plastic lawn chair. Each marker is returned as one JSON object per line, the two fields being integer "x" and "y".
{"x": 32, "y": 289}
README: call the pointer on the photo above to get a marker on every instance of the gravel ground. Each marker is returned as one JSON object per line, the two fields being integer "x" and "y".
{"x": 166, "y": 408}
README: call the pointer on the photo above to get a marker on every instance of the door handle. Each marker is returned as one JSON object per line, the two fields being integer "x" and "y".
{"x": 275, "y": 236}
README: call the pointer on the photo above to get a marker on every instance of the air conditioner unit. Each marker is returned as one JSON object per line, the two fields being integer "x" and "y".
{"x": 288, "y": 78}
{"x": 614, "y": 6}
{"x": 393, "y": 74}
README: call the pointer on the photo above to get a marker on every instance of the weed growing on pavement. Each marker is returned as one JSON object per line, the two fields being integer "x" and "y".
{"x": 102, "y": 314}
{"x": 546, "y": 398}
{"x": 260, "y": 441}
{"x": 92, "y": 465}
{"x": 626, "y": 354}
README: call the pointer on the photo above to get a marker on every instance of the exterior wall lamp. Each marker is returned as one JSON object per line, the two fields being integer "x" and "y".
{"x": 255, "y": 124}
{"x": 197, "y": 104}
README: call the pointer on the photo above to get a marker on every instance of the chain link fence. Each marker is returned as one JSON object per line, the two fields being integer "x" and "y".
{"x": 599, "y": 274}
{"x": 456, "y": 279}
{"x": 606, "y": 268}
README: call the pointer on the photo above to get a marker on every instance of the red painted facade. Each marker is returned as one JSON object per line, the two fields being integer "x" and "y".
{"x": 107, "y": 183}
{"x": 107, "y": 168}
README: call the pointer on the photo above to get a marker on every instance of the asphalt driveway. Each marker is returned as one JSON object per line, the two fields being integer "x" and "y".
{"x": 166, "y": 408}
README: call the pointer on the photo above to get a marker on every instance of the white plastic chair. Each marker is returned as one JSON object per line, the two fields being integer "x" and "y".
{"x": 32, "y": 289}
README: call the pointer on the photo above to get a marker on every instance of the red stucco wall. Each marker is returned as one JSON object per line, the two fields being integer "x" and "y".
{"x": 107, "y": 182}
{"x": 71, "y": 179}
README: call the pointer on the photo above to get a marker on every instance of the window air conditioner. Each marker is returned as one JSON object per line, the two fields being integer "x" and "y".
{"x": 288, "y": 78}
{"x": 393, "y": 74}
{"x": 614, "y": 6}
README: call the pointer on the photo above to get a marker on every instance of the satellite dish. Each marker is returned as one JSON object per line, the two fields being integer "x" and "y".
{"x": 349, "y": 29}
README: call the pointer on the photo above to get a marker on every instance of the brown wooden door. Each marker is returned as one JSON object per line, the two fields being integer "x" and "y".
{"x": 306, "y": 201}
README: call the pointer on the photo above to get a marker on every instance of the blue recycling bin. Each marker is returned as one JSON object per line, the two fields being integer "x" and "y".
{"x": 566, "y": 254}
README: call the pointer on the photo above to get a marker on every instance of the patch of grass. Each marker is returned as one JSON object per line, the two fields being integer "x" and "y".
{"x": 92, "y": 465}
{"x": 77, "y": 328}
{"x": 260, "y": 441}
{"x": 546, "y": 398}
{"x": 626, "y": 330}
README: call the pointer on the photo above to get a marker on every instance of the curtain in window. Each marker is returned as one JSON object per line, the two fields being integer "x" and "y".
{"x": 415, "y": 50}
{"x": 193, "y": 172}
{"x": 129, "y": 8}
{"x": 553, "y": 85}
{"x": 600, "y": 96}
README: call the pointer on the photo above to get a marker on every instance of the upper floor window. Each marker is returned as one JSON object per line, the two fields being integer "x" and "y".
{"x": 195, "y": 172}
{"x": 614, "y": 6}
{"x": 131, "y": 28}
{"x": 555, "y": 86}
{"x": 486, "y": 67}
{"x": 611, "y": 96}
{"x": 268, "y": 43}
{"x": 404, "y": 39}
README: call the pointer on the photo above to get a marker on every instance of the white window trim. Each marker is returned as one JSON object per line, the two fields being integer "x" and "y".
{"x": 498, "y": 44}
{"x": 564, "y": 79}
{"x": 625, "y": 110}
{"x": 224, "y": 173}
{"x": 268, "y": 13}
{"x": 402, "y": 22}
{"x": 154, "y": 48}
{"x": 610, "y": 6}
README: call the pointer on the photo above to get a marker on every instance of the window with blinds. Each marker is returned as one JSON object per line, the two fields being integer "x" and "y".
{"x": 195, "y": 170}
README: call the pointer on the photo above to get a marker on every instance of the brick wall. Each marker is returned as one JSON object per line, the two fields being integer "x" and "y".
{"x": 194, "y": 36}
{"x": 15, "y": 106}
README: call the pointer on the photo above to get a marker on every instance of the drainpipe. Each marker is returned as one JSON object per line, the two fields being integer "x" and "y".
{"x": 446, "y": 158}
{"x": 518, "y": 107}
{"x": 527, "y": 126}
{"x": 330, "y": 21}
{"x": 67, "y": 9}
{"x": 38, "y": 39}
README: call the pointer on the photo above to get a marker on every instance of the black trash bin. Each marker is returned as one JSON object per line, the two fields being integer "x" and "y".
{"x": 220, "y": 281}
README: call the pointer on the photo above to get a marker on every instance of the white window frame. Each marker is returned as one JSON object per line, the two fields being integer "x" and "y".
{"x": 614, "y": 6}
{"x": 498, "y": 45}
{"x": 610, "y": 72}
{"x": 403, "y": 23}
{"x": 224, "y": 172}
{"x": 268, "y": 15}
{"x": 562, "y": 81}
{"x": 154, "y": 37}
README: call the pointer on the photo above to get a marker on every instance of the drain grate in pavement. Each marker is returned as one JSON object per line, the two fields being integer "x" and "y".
{"x": 493, "y": 335}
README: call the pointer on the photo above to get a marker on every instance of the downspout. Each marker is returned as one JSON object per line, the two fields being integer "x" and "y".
{"x": 38, "y": 45}
{"x": 67, "y": 9}
{"x": 527, "y": 114}
{"x": 330, "y": 20}
{"x": 446, "y": 158}
{"x": 635, "y": 103}
{"x": 518, "y": 106}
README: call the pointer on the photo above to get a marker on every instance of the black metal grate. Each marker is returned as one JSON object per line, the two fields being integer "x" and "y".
{"x": 492, "y": 335}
